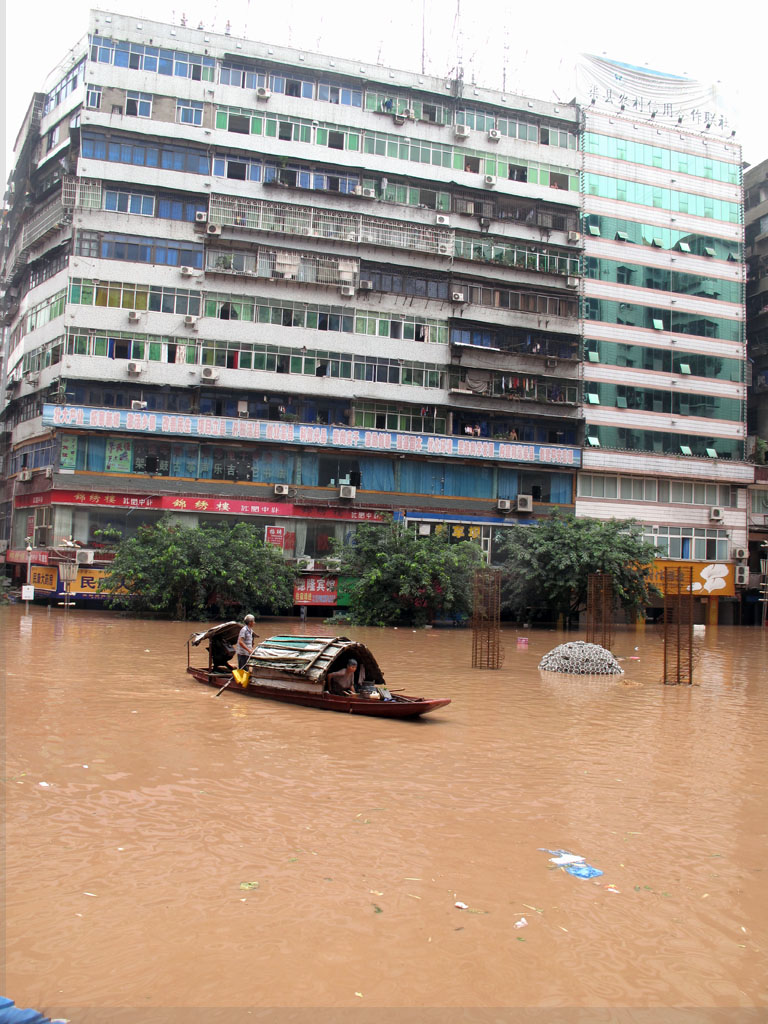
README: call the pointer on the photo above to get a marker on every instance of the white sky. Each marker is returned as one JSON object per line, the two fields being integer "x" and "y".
{"x": 536, "y": 43}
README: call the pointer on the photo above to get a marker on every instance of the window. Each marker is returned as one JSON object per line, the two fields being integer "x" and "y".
{"x": 138, "y": 104}
{"x": 335, "y": 140}
{"x": 190, "y": 112}
{"x": 93, "y": 97}
{"x": 129, "y": 202}
{"x": 52, "y": 139}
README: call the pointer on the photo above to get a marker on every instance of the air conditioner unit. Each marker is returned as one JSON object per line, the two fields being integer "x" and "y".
{"x": 138, "y": 406}
{"x": 25, "y": 475}
{"x": 31, "y": 378}
{"x": 135, "y": 368}
{"x": 524, "y": 503}
{"x": 424, "y": 529}
{"x": 741, "y": 553}
{"x": 443, "y": 220}
{"x": 307, "y": 564}
{"x": 345, "y": 491}
{"x": 457, "y": 297}
{"x": 49, "y": 472}
{"x": 461, "y": 131}
{"x": 209, "y": 373}
{"x": 242, "y": 409}
{"x": 504, "y": 505}
{"x": 551, "y": 363}
{"x": 346, "y": 291}
{"x": 262, "y": 93}
{"x": 573, "y": 236}
{"x": 187, "y": 272}
{"x": 365, "y": 286}
{"x": 214, "y": 229}
{"x": 367, "y": 193}
{"x": 742, "y": 575}
{"x": 190, "y": 321}
{"x": 281, "y": 489}
{"x": 201, "y": 217}
{"x": 489, "y": 180}
{"x": 445, "y": 250}
{"x": 84, "y": 556}
{"x": 409, "y": 113}
{"x": 716, "y": 515}
{"x": 494, "y": 135}
{"x": 571, "y": 282}
{"x": 134, "y": 316}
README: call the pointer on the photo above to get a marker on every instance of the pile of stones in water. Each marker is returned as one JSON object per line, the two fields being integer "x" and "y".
{"x": 581, "y": 659}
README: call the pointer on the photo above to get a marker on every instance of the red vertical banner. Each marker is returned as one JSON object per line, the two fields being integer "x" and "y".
{"x": 275, "y": 535}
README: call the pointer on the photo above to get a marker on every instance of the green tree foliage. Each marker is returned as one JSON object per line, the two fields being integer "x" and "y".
{"x": 546, "y": 567}
{"x": 204, "y": 572}
{"x": 408, "y": 580}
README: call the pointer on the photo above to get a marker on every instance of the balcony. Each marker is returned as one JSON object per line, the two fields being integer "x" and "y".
{"x": 284, "y": 265}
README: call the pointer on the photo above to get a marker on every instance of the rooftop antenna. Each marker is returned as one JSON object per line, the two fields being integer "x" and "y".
{"x": 505, "y": 60}
{"x": 423, "y": 35}
{"x": 183, "y": 20}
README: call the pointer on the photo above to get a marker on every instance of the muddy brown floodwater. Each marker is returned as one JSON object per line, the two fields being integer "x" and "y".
{"x": 137, "y": 805}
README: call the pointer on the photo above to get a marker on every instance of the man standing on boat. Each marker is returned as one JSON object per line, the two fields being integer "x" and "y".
{"x": 245, "y": 646}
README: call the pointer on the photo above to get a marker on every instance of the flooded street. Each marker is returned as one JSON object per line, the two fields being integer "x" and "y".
{"x": 137, "y": 804}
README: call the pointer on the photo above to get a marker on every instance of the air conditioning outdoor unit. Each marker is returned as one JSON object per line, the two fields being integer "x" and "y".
{"x": 524, "y": 503}
{"x": 190, "y": 321}
{"x": 25, "y": 475}
{"x": 242, "y": 409}
{"x": 346, "y": 291}
{"x": 457, "y": 296}
{"x": 741, "y": 553}
{"x": 494, "y": 135}
{"x": 281, "y": 489}
{"x": 135, "y": 368}
{"x": 84, "y": 556}
{"x": 409, "y": 113}
{"x": 201, "y": 217}
{"x": 137, "y": 406}
{"x": 716, "y": 515}
{"x": 134, "y": 316}
{"x": 489, "y": 181}
{"x": 214, "y": 229}
{"x": 262, "y": 93}
{"x": 551, "y": 363}
{"x": 443, "y": 220}
{"x": 187, "y": 272}
{"x": 368, "y": 193}
{"x": 346, "y": 491}
{"x": 742, "y": 575}
{"x": 504, "y": 505}
{"x": 49, "y": 472}
{"x": 571, "y": 282}
{"x": 444, "y": 250}
{"x": 365, "y": 286}
{"x": 573, "y": 236}
{"x": 209, "y": 373}
{"x": 461, "y": 131}
{"x": 31, "y": 378}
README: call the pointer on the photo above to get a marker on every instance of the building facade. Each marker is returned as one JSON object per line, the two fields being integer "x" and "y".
{"x": 245, "y": 281}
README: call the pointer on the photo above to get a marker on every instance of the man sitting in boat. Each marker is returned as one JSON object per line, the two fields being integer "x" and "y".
{"x": 221, "y": 652}
{"x": 342, "y": 682}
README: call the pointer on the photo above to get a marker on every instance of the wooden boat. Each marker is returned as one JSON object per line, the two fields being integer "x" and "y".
{"x": 295, "y": 669}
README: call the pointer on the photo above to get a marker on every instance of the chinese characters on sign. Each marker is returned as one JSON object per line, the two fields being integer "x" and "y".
{"x": 275, "y": 535}
{"x": 315, "y": 590}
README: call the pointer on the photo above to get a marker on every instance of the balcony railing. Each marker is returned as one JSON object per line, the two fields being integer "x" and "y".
{"x": 287, "y": 219}
{"x": 85, "y": 193}
{"x": 510, "y": 254}
{"x": 284, "y": 265}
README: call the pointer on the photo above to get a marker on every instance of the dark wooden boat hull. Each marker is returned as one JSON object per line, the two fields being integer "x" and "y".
{"x": 399, "y": 707}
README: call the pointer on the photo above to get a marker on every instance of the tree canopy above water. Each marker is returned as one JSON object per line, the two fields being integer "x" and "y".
{"x": 547, "y": 566}
{"x": 210, "y": 571}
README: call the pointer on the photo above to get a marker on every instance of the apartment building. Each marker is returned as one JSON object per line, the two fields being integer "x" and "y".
{"x": 247, "y": 281}
{"x": 664, "y": 345}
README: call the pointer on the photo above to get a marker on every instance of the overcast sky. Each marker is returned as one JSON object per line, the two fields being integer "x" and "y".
{"x": 523, "y": 47}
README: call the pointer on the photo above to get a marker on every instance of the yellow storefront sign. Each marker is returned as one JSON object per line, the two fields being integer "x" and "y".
{"x": 44, "y": 577}
{"x": 710, "y": 579}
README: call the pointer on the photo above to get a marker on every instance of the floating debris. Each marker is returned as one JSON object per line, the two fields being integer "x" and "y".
{"x": 581, "y": 659}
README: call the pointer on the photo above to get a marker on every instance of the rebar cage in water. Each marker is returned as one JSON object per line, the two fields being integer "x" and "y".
{"x": 487, "y": 651}
{"x": 678, "y": 625}
{"x": 600, "y": 609}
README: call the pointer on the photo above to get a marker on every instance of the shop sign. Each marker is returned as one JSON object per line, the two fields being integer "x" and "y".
{"x": 275, "y": 535}
{"x": 315, "y": 590}
{"x": 44, "y": 577}
{"x": 393, "y": 442}
{"x": 709, "y": 578}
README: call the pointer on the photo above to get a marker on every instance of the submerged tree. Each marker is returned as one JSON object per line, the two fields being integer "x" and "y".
{"x": 546, "y": 567}
{"x": 404, "y": 579}
{"x": 198, "y": 572}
